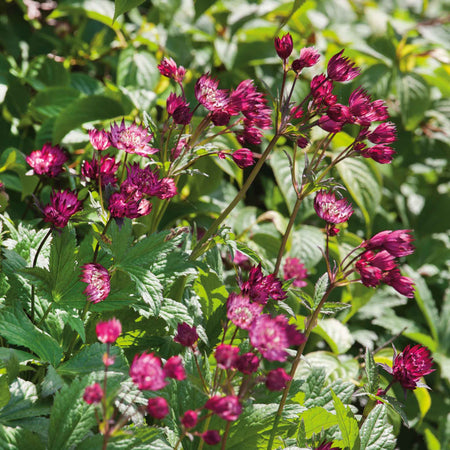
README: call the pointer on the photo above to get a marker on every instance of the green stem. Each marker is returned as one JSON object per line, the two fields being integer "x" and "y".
{"x": 311, "y": 324}
{"x": 49, "y": 232}
{"x": 225, "y": 435}
{"x": 198, "y": 249}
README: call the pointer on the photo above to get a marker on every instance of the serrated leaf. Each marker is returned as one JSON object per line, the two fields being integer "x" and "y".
{"x": 371, "y": 370}
{"x": 5, "y": 396}
{"x": 376, "y": 431}
{"x": 51, "y": 101}
{"x": 336, "y": 334}
{"x": 16, "y": 438}
{"x": 347, "y": 424}
{"x": 394, "y": 405}
{"x": 137, "y": 69}
{"x": 51, "y": 383}
{"x": 316, "y": 420}
{"x": 320, "y": 288}
{"x": 307, "y": 242}
{"x": 123, "y": 6}
{"x": 71, "y": 418}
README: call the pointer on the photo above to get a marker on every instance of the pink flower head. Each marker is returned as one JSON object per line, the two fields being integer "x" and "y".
{"x": 211, "y": 437}
{"x": 410, "y": 365}
{"x": 373, "y": 267}
{"x": 178, "y": 108}
{"x": 227, "y": 407}
{"x": 295, "y": 269}
{"x": 168, "y": 68}
{"x": 247, "y": 363}
{"x": 398, "y": 242}
{"x": 341, "y": 69}
{"x": 322, "y": 91}
{"x": 174, "y": 368}
{"x": 243, "y": 157}
{"x": 131, "y": 139}
{"x": 106, "y": 171}
{"x": 364, "y": 111}
{"x": 302, "y": 141}
{"x": 226, "y": 356}
{"x": 186, "y": 335}
{"x": 241, "y": 311}
{"x": 308, "y": 57}
{"x": 147, "y": 373}
{"x": 272, "y": 336}
{"x": 99, "y": 139}
{"x": 260, "y": 288}
{"x": 330, "y": 209}
{"x": 157, "y": 407}
{"x": 209, "y": 95}
{"x": 131, "y": 205}
{"x": 339, "y": 113}
{"x": 63, "y": 205}
{"x": 383, "y": 134}
{"x": 109, "y": 331}
{"x": 98, "y": 280}
{"x": 380, "y": 153}
{"x": 93, "y": 394}
{"x": 403, "y": 285}
{"x": 327, "y": 124}
{"x": 220, "y": 118}
{"x": 143, "y": 181}
{"x": 167, "y": 188}
{"x": 284, "y": 46}
{"x": 189, "y": 419}
{"x": 48, "y": 161}
{"x": 277, "y": 379}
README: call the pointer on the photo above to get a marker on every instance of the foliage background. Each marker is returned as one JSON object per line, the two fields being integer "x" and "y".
{"x": 74, "y": 65}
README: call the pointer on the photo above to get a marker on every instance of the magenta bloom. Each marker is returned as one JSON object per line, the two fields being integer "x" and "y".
{"x": 48, "y": 162}
{"x": 207, "y": 93}
{"x": 63, "y": 205}
{"x": 128, "y": 205}
{"x": 410, "y": 365}
{"x": 272, "y": 336}
{"x": 308, "y": 57}
{"x": 243, "y": 157}
{"x": 284, "y": 46}
{"x": 398, "y": 242}
{"x": 326, "y": 446}
{"x": 227, "y": 407}
{"x": 330, "y": 209}
{"x": 168, "y": 68}
{"x": 147, "y": 373}
{"x": 157, "y": 407}
{"x": 93, "y": 394}
{"x": 226, "y": 356}
{"x": 364, "y": 111}
{"x": 186, "y": 335}
{"x": 189, "y": 419}
{"x": 174, "y": 368}
{"x": 107, "y": 170}
{"x": 322, "y": 91}
{"x": 143, "y": 181}
{"x": 247, "y": 363}
{"x": 403, "y": 285}
{"x": 373, "y": 267}
{"x": 277, "y": 379}
{"x": 383, "y": 134}
{"x": 99, "y": 139}
{"x": 379, "y": 153}
{"x": 341, "y": 69}
{"x": 293, "y": 268}
{"x": 98, "y": 280}
{"x": 241, "y": 311}
{"x": 109, "y": 331}
{"x": 167, "y": 188}
{"x": 131, "y": 139}
{"x": 211, "y": 437}
{"x": 178, "y": 108}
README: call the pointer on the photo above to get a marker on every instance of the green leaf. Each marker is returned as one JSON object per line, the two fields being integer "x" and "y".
{"x": 123, "y": 6}
{"x": 87, "y": 109}
{"x": 307, "y": 242}
{"x": 320, "y": 288}
{"x": 5, "y": 396}
{"x": 51, "y": 101}
{"x": 376, "y": 431}
{"x": 347, "y": 424}
{"x": 317, "y": 419}
{"x": 71, "y": 418}
{"x": 137, "y": 69}
{"x": 16, "y": 438}
{"x": 371, "y": 372}
{"x": 17, "y": 329}
{"x": 51, "y": 74}
{"x": 415, "y": 97}
{"x": 336, "y": 334}
{"x": 394, "y": 405}
{"x": 362, "y": 181}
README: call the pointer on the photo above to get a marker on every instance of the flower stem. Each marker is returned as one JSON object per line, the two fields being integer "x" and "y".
{"x": 198, "y": 249}
{"x": 225, "y": 435}
{"x": 311, "y": 324}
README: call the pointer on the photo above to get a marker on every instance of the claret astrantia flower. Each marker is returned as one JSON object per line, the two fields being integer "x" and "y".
{"x": 241, "y": 311}
{"x": 48, "y": 161}
{"x": 168, "y": 67}
{"x": 157, "y": 407}
{"x": 296, "y": 270}
{"x": 332, "y": 210}
{"x": 308, "y": 57}
{"x": 341, "y": 68}
{"x": 186, "y": 335}
{"x": 107, "y": 332}
{"x": 326, "y": 446}
{"x": 277, "y": 379}
{"x": 173, "y": 368}
{"x": 226, "y": 356}
{"x": 132, "y": 139}
{"x": 227, "y": 407}
{"x": 147, "y": 373}
{"x": 284, "y": 46}
{"x": 63, "y": 205}
{"x": 98, "y": 280}
{"x": 243, "y": 157}
{"x": 398, "y": 242}
{"x": 93, "y": 394}
{"x": 190, "y": 418}
{"x": 106, "y": 171}
{"x": 99, "y": 139}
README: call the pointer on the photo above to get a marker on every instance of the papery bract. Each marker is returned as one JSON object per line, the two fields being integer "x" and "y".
{"x": 131, "y": 139}
{"x": 331, "y": 209}
{"x": 398, "y": 242}
{"x": 99, "y": 139}
{"x": 341, "y": 69}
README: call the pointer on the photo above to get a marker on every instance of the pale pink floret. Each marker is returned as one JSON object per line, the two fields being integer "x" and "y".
{"x": 147, "y": 373}
{"x": 241, "y": 311}
{"x": 99, "y": 139}
{"x": 131, "y": 139}
{"x": 48, "y": 161}
{"x": 98, "y": 282}
{"x": 331, "y": 209}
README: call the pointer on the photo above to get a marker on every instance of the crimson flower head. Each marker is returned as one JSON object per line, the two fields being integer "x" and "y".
{"x": 147, "y": 373}
{"x": 308, "y": 57}
{"x": 123, "y": 204}
{"x": 211, "y": 437}
{"x": 277, "y": 379}
{"x": 284, "y": 46}
{"x": 99, "y": 139}
{"x": 178, "y": 108}
{"x": 380, "y": 153}
{"x": 48, "y": 161}
{"x": 227, "y": 407}
{"x": 410, "y": 365}
{"x": 186, "y": 335}
{"x": 398, "y": 242}
{"x": 189, "y": 419}
{"x": 174, "y": 368}
{"x": 168, "y": 68}
{"x": 106, "y": 171}
{"x": 93, "y": 394}
{"x": 63, "y": 205}
{"x": 295, "y": 269}
{"x": 272, "y": 336}
{"x": 330, "y": 209}
{"x": 241, "y": 311}
{"x": 383, "y": 134}
{"x": 131, "y": 139}
{"x": 98, "y": 280}
{"x": 157, "y": 407}
{"x": 226, "y": 356}
{"x": 247, "y": 363}
{"x": 403, "y": 285}
{"x": 207, "y": 93}
{"x": 373, "y": 267}
{"x": 341, "y": 68}
{"x": 243, "y": 157}
{"x": 109, "y": 331}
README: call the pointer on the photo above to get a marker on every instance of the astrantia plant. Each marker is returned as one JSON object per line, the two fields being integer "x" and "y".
{"x": 195, "y": 349}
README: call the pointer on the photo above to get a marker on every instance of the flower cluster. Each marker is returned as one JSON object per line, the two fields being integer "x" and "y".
{"x": 379, "y": 266}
